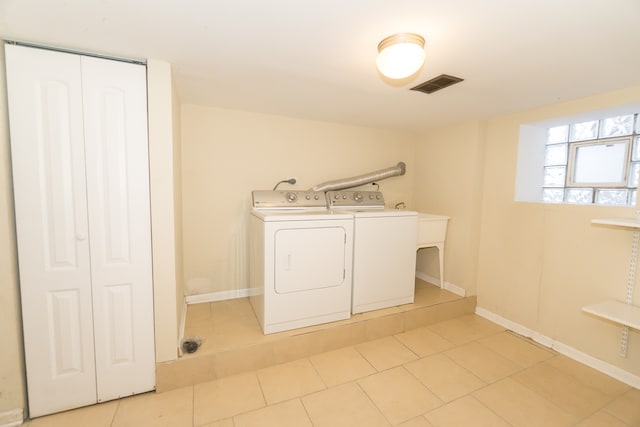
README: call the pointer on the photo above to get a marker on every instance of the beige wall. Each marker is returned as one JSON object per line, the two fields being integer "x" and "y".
{"x": 538, "y": 264}
{"x": 12, "y": 383}
{"x": 177, "y": 204}
{"x": 448, "y": 181}
{"x": 227, "y": 154}
{"x": 164, "y": 171}
{"x": 531, "y": 263}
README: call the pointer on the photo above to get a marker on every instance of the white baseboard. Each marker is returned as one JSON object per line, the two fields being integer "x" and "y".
{"x": 575, "y": 354}
{"x": 243, "y": 293}
{"x": 11, "y": 418}
{"x": 448, "y": 286}
{"x": 217, "y": 296}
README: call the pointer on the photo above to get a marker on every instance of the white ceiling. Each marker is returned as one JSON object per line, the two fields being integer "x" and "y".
{"x": 315, "y": 59}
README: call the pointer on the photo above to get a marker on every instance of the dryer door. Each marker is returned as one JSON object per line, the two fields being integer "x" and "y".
{"x": 309, "y": 258}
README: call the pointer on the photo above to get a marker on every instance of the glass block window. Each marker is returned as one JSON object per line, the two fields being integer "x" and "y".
{"x": 556, "y": 154}
{"x": 579, "y": 195}
{"x": 593, "y": 162}
{"x": 553, "y": 195}
{"x": 617, "y": 126}
{"x": 558, "y": 134}
{"x": 584, "y": 131}
{"x": 612, "y": 197}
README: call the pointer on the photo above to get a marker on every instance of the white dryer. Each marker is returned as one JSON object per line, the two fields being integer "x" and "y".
{"x": 300, "y": 260}
{"x": 384, "y": 255}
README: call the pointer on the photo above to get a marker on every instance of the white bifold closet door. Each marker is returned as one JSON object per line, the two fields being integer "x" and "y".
{"x": 81, "y": 187}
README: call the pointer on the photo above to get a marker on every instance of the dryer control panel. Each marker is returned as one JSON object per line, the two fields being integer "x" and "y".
{"x": 354, "y": 199}
{"x": 292, "y": 199}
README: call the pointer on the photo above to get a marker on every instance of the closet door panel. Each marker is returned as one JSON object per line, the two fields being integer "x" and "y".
{"x": 45, "y": 108}
{"x": 119, "y": 220}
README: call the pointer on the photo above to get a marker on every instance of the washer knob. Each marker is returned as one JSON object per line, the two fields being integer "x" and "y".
{"x": 308, "y": 197}
{"x": 337, "y": 196}
{"x": 357, "y": 197}
{"x": 292, "y": 197}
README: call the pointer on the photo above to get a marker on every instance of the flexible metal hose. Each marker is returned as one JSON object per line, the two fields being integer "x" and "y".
{"x": 341, "y": 184}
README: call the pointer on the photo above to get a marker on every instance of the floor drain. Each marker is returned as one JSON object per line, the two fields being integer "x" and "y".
{"x": 190, "y": 345}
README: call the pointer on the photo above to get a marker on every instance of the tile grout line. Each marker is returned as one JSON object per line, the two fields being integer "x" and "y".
{"x": 115, "y": 413}
{"x": 264, "y": 397}
{"x": 357, "y": 384}
{"x": 580, "y": 418}
{"x": 193, "y": 405}
{"x": 488, "y": 408}
{"x": 405, "y": 346}
{"x": 306, "y": 410}
{"x": 613, "y": 414}
{"x": 315, "y": 369}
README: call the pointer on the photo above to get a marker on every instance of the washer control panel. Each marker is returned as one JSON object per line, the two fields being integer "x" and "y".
{"x": 292, "y": 199}
{"x": 350, "y": 199}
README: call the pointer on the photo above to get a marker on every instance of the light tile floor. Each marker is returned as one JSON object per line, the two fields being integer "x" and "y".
{"x": 461, "y": 372}
{"x": 230, "y": 324}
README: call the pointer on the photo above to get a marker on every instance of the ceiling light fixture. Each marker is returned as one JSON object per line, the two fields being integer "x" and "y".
{"x": 400, "y": 55}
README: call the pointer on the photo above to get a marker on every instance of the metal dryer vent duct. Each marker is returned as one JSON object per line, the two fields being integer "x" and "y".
{"x": 341, "y": 184}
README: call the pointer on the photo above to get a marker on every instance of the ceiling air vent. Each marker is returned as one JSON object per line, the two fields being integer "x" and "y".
{"x": 437, "y": 83}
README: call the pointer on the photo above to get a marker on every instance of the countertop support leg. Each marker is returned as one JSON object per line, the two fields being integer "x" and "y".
{"x": 440, "y": 247}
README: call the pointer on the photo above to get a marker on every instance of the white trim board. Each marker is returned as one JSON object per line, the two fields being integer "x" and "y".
{"x": 597, "y": 364}
{"x": 12, "y": 418}
{"x": 246, "y": 292}
{"x": 217, "y": 296}
{"x": 183, "y": 322}
{"x": 447, "y": 285}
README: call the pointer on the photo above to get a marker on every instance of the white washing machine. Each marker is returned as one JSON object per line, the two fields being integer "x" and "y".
{"x": 301, "y": 259}
{"x": 384, "y": 250}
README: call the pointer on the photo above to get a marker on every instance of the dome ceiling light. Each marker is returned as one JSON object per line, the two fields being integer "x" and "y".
{"x": 400, "y": 55}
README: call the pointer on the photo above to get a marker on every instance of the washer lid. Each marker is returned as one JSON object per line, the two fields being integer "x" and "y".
{"x": 370, "y": 213}
{"x": 270, "y": 215}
